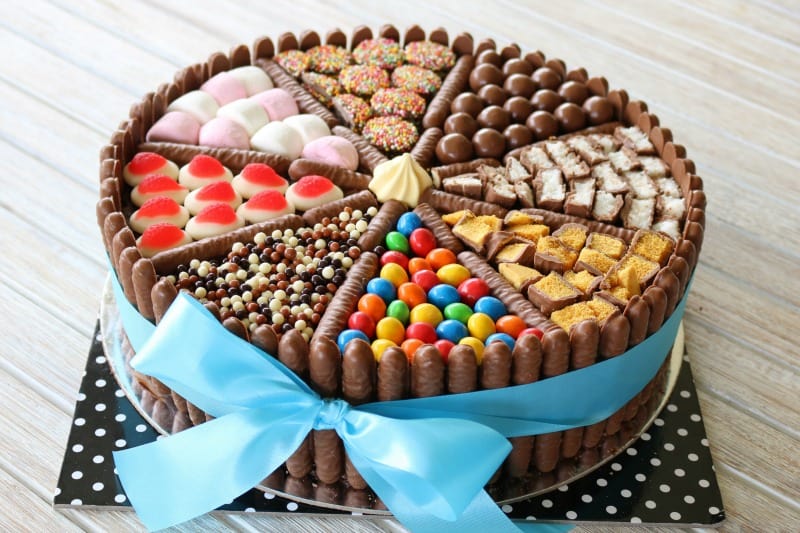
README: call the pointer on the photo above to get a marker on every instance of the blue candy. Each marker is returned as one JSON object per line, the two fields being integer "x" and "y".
{"x": 452, "y": 330}
{"x": 347, "y": 335}
{"x": 491, "y": 306}
{"x": 502, "y": 337}
{"x": 383, "y": 288}
{"x": 443, "y": 295}
{"x": 408, "y": 222}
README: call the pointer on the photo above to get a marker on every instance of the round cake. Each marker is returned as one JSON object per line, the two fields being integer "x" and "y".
{"x": 405, "y": 216}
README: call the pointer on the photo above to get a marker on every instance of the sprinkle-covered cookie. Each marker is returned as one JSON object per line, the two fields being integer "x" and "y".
{"x": 399, "y": 102}
{"x": 430, "y": 55}
{"x": 328, "y": 58}
{"x": 363, "y": 80}
{"x": 384, "y": 53}
{"x": 295, "y": 62}
{"x": 353, "y": 110}
{"x": 418, "y": 79}
{"x": 321, "y": 86}
{"x": 391, "y": 134}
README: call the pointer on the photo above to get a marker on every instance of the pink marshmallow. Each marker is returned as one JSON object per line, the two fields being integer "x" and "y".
{"x": 333, "y": 150}
{"x": 222, "y": 132}
{"x": 225, "y": 88}
{"x": 175, "y": 127}
{"x": 278, "y": 103}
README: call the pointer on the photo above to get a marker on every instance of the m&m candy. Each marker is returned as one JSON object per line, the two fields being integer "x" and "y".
{"x": 491, "y": 306}
{"x": 480, "y": 326}
{"x": 373, "y": 305}
{"x": 416, "y": 264}
{"x": 349, "y": 334}
{"x": 412, "y": 294}
{"x": 383, "y": 288}
{"x": 452, "y": 330}
{"x": 410, "y": 346}
{"x": 362, "y": 322}
{"x": 444, "y": 346}
{"x": 390, "y": 328}
{"x": 511, "y": 325}
{"x": 476, "y": 345}
{"x": 422, "y": 241}
{"x": 393, "y": 256}
{"x": 427, "y": 313}
{"x": 500, "y": 337}
{"x": 408, "y": 222}
{"x": 427, "y": 279}
{"x": 472, "y": 289}
{"x": 398, "y": 309}
{"x": 532, "y": 331}
{"x": 394, "y": 273}
{"x": 422, "y": 331}
{"x": 458, "y": 311}
{"x": 397, "y": 241}
{"x": 439, "y": 257}
{"x": 379, "y": 346}
{"x": 453, "y": 274}
{"x": 443, "y": 295}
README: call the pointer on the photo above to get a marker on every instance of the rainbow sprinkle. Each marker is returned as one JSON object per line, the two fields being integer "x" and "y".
{"x": 294, "y": 62}
{"x": 384, "y": 53}
{"x": 363, "y": 80}
{"x": 353, "y": 109}
{"x": 391, "y": 134}
{"x": 399, "y": 102}
{"x": 413, "y": 78}
{"x": 321, "y": 87}
{"x": 328, "y": 58}
{"x": 430, "y": 55}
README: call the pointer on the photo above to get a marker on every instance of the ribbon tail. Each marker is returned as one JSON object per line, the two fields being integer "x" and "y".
{"x": 195, "y": 471}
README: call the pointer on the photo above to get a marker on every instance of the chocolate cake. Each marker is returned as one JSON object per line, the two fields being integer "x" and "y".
{"x": 405, "y": 216}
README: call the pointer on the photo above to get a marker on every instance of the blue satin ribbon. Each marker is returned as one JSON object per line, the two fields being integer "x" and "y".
{"x": 427, "y": 459}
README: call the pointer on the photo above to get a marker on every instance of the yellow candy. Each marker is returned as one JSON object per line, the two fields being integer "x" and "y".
{"x": 476, "y": 345}
{"x": 390, "y": 328}
{"x": 480, "y": 325}
{"x": 396, "y": 274}
{"x": 453, "y": 274}
{"x": 379, "y": 346}
{"x": 426, "y": 313}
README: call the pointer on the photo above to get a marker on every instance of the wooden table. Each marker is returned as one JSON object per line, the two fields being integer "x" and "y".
{"x": 724, "y": 77}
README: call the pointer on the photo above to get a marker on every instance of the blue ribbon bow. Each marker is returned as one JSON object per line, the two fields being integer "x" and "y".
{"x": 427, "y": 459}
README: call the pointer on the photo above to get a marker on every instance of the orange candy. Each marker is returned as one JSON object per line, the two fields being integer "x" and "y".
{"x": 439, "y": 257}
{"x": 415, "y": 264}
{"x": 412, "y": 294}
{"x": 511, "y": 325}
{"x": 410, "y": 346}
{"x": 373, "y": 305}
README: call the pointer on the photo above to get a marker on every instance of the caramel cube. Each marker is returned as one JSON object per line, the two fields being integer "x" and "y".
{"x": 594, "y": 261}
{"x": 573, "y": 235}
{"x": 652, "y": 245}
{"x": 552, "y": 292}
{"x": 584, "y": 281}
{"x": 475, "y": 230}
{"x": 607, "y": 244}
{"x": 552, "y": 254}
{"x": 519, "y": 276}
{"x": 532, "y": 232}
{"x": 522, "y": 253}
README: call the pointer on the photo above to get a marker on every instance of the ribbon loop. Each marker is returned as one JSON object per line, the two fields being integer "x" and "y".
{"x": 331, "y": 414}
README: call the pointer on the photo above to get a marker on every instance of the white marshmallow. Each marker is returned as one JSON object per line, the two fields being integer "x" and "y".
{"x": 278, "y": 138}
{"x": 310, "y": 127}
{"x": 199, "y": 104}
{"x": 254, "y": 79}
{"x": 247, "y": 113}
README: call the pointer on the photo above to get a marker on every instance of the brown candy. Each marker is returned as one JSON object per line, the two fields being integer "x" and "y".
{"x": 381, "y": 224}
{"x": 328, "y": 455}
{"x": 433, "y": 221}
{"x": 638, "y": 314}
{"x": 162, "y": 295}
{"x": 488, "y": 142}
{"x": 489, "y": 56}
{"x": 144, "y": 278}
{"x": 462, "y": 123}
{"x": 292, "y": 349}
{"x": 518, "y": 108}
{"x": 574, "y": 92}
{"x": 358, "y": 372}
{"x": 492, "y": 94}
{"x": 542, "y": 124}
{"x": 324, "y": 366}
{"x": 555, "y": 352}
{"x": 427, "y": 372}
{"x": 361, "y": 200}
{"x": 494, "y": 117}
{"x": 570, "y": 117}
{"x": 469, "y": 103}
{"x": 517, "y": 65}
{"x": 462, "y": 369}
{"x": 425, "y": 148}
{"x": 496, "y": 366}
{"x": 546, "y": 78}
{"x": 671, "y": 286}
{"x": 235, "y": 326}
{"x": 483, "y": 74}
{"x": 614, "y": 335}
{"x": 546, "y": 100}
{"x": 526, "y": 360}
{"x": 454, "y": 148}
{"x": 584, "y": 338}
{"x": 656, "y": 299}
{"x": 449, "y": 203}
{"x": 517, "y": 135}
{"x": 393, "y": 375}
{"x": 454, "y": 83}
{"x": 520, "y": 85}
{"x": 598, "y": 110}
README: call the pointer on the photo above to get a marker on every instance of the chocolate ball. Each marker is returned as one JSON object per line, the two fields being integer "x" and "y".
{"x": 543, "y": 125}
{"x": 488, "y": 142}
{"x": 517, "y": 135}
{"x": 462, "y": 123}
{"x": 489, "y": 56}
{"x": 547, "y": 78}
{"x": 484, "y": 74}
{"x": 598, "y": 109}
{"x": 493, "y": 94}
{"x": 517, "y": 65}
{"x": 573, "y": 91}
{"x": 520, "y": 85}
{"x": 494, "y": 117}
{"x": 546, "y": 100}
{"x": 453, "y": 148}
{"x": 570, "y": 117}
{"x": 519, "y": 108}
{"x": 536, "y": 59}
{"x": 469, "y": 103}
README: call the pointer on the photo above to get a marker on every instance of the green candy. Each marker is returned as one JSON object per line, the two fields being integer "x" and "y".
{"x": 398, "y": 242}
{"x": 458, "y": 311}
{"x": 398, "y": 309}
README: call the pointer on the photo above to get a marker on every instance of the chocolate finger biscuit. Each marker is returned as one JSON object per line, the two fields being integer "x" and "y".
{"x": 362, "y": 200}
{"x": 233, "y": 158}
{"x": 453, "y": 84}
{"x": 292, "y": 351}
{"x": 306, "y": 102}
{"x": 358, "y": 385}
{"x": 448, "y": 203}
{"x": 427, "y": 372}
{"x": 433, "y": 221}
{"x": 462, "y": 369}
{"x": 496, "y": 366}
{"x": 426, "y": 146}
{"x": 456, "y": 169}
{"x": 614, "y": 335}
{"x": 584, "y": 339}
{"x": 369, "y": 157}
{"x": 638, "y": 314}
{"x": 343, "y": 178}
{"x": 393, "y": 375}
{"x": 381, "y": 224}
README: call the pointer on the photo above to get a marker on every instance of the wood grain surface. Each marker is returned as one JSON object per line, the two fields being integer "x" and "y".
{"x": 723, "y": 75}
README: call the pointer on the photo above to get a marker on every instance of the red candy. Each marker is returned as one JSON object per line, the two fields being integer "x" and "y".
{"x": 393, "y": 256}
{"x": 422, "y": 241}
{"x": 472, "y": 289}
{"x": 373, "y": 305}
{"x": 362, "y": 322}
{"x": 263, "y": 175}
{"x": 312, "y": 186}
{"x": 532, "y": 331}
{"x": 422, "y": 331}
{"x": 159, "y": 206}
{"x": 439, "y": 257}
{"x": 205, "y": 166}
{"x": 162, "y": 235}
{"x": 221, "y": 214}
{"x": 427, "y": 279}
{"x": 269, "y": 200}
{"x": 155, "y": 183}
{"x": 444, "y": 346}
{"x": 220, "y": 191}
{"x": 146, "y": 162}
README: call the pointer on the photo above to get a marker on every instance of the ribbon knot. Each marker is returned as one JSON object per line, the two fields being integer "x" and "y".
{"x": 331, "y": 414}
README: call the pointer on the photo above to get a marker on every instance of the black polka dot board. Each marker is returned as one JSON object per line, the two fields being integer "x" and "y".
{"x": 666, "y": 477}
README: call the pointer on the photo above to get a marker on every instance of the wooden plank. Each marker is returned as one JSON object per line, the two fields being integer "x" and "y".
{"x": 22, "y": 510}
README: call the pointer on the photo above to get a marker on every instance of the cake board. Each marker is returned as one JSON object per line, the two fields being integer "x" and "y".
{"x": 665, "y": 478}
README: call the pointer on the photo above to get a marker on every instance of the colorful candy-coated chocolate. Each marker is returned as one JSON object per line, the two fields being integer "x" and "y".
{"x": 422, "y": 331}
{"x": 451, "y": 330}
{"x": 476, "y": 345}
{"x": 379, "y": 346}
{"x": 347, "y": 335}
{"x": 412, "y": 294}
{"x": 427, "y": 279}
{"x": 443, "y": 295}
{"x": 383, "y": 288}
{"x": 458, "y": 311}
{"x": 480, "y": 325}
{"x": 393, "y": 256}
{"x": 422, "y": 241}
{"x": 397, "y": 241}
{"x": 394, "y": 273}
{"x": 444, "y": 346}
{"x": 511, "y": 325}
{"x": 427, "y": 313}
{"x": 362, "y": 322}
{"x": 453, "y": 274}
{"x": 439, "y": 257}
{"x": 390, "y": 328}
{"x": 491, "y": 306}
{"x": 415, "y": 264}
{"x": 372, "y": 305}
{"x": 531, "y": 331}
{"x": 410, "y": 346}
{"x": 472, "y": 289}
{"x": 399, "y": 310}
{"x": 500, "y": 337}
{"x": 408, "y": 222}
